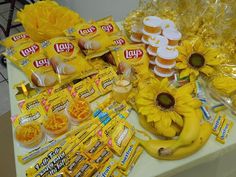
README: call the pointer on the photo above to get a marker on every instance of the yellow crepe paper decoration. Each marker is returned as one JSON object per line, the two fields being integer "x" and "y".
{"x": 46, "y": 19}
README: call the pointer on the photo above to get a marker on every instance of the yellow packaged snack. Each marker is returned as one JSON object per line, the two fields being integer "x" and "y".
{"x": 133, "y": 54}
{"x": 224, "y": 131}
{"x": 29, "y": 134}
{"x": 58, "y": 88}
{"x": 66, "y": 59}
{"x": 99, "y": 64}
{"x": 108, "y": 25}
{"x": 91, "y": 39}
{"x": 75, "y": 162}
{"x": 128, "y": 154}
{"x": 101, "y": 157}
{"x": 31, "y": 103}
{"x": 85, "y": 89}
{"x": 119, "y": 40}
{"x": 15, "y": 39}
{"x": 39, "y": 71}
{"x": 79, "y": 110}
{"x": 95, "y": 145}
{"x": 108, "y": 168}
{"x": 116, "y": 173}
{"x": 135, "y": 158}
{"x": 217, "y": 124}
{"x": 84, "y": 170}
{"x": 120, "y": 137}
{"x": 25, "y": 50}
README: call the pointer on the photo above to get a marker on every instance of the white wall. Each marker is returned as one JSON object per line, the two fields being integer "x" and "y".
{"x": 96, "y": 9}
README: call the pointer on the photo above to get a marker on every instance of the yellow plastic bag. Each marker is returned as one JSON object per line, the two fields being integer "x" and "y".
{"x": 15, "y": 39}
{"x": 108, "y": 25}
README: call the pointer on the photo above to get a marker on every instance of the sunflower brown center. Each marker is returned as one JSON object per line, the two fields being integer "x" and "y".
{"x": 196, "y": 60}
{"x": 165, "y": 100}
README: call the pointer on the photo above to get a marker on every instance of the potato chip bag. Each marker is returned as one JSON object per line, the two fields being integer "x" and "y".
{"x": 91, "y": 39}
{"x": 25, "y": 50}
{"x": 119, "y": 40}
{"x": 66, "y": 59}
{"x": 39, "y": 70}
{"x": 16, "y": 39}
{"x": 108, "y": 25}
{"x": 133, "y": 54}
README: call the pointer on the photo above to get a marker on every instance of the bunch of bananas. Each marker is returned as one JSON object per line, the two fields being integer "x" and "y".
{"x": 171, "y": 112}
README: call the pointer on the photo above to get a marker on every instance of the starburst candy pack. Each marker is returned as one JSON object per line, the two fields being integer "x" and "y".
{"x": 92, "y": 40}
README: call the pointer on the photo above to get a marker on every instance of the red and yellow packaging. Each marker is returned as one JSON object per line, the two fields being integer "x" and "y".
{"x": 119, "y": 39}
{"x": 133, "y": 54}
{"x": 39, "y": 70}
{"x": 108, "y": 25}
{"x": 15, "y": 39}
{"x": 91, "y": 39}
{"x": 58, "y": 88}
{"x": 31, "y": 103}
{"x": 25, "y": 50}
{"x": 66, "y": 59}
{"x": 120, "y": 137}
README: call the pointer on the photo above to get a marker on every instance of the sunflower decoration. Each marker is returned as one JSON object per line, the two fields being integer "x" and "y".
{"x": 195, "y": 58}
{"x": 163, "y": 106}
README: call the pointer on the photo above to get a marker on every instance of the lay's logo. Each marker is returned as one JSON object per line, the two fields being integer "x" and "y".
{"x": 132, "y": 54}
{"x": 64, "y": 47}
{"x": 30, "y": 50}
{"x": 119, "y": 41}
{"x": 107, "y": 28}
{"x": 42, "y": 62}
{"x": 84, "y": 32}
{"x": 21, "y": 36}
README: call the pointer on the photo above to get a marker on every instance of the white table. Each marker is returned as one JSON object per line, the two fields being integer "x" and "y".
{"x": 146, "y": 166}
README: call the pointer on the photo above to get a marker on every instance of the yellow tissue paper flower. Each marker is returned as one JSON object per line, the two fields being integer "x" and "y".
{"x": 44, "y": 20}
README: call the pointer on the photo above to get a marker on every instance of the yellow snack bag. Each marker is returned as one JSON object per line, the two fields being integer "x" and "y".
{"x": 108, "y": 168}
{"x": 91, "y": 39}
{"x": 39, "y": 71}
{"x": 217, "y": 123}
{"x": 133, "y": 54}
{"x": 84, "y": 170}
{"x": 86, "y": 89}
{"x": 108, "y": 25}
{"x": 119, "y": 40}
{"x": 31, "y": 103}
{"x": 15, "y": 39}
{"x": 120, "y": 137}
{"x": 25, "y": 50}
{"x": 128, "y": 154}
{"x": 66, "y": 59}
{"x": 224, "y": 131}
{"x": 58, "y": 88}
{"x": 94, "y": 147}
{"x": 101, "y": 157}
{"x": 116, "y": 173}
{"x": 99, "y": 64}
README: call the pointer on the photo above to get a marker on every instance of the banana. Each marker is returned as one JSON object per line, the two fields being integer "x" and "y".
{"x": 188, "y": 134}
{"x": 152, "y": 146}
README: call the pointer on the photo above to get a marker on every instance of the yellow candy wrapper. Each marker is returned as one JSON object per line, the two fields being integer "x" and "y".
{"x": 120, "y": 137}
{"x": 25, "y": 50}
{"x": 91, "y": 39}
{"x": 135, "y": 158}
{"x": 116, "y": 173}
{"x": 224, "y": 131}
{"x": 66, "y": 59}
{"x": 86, "y": 89}
{"x": 135, "y": 55}
{"x": 31, "y": 103}
{"x": 39, "y": 70}
{"x": 108, "y": 168}
{"x": 95, "y": 145}
{"x": 84, "y": 170}
{"x": 217, "y": 124}
{"x": 108, "y": 25}
{"x": 99, "y": 64}
{"x": 58, "y": 88}
{"x": 16, "y": 39}
{"x": 128, "y": 154}
{"x": 101, "y": 157}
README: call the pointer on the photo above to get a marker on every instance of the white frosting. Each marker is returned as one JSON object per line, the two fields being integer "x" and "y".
{"x": 172, "y": 34}
{"x": 150, "y": 52}
{"x": 134, "y": 39}
{"x": 152, "y": 21}
{"x": 167, "y": 52}
{"x": 161, "y": 74}
{"x": 144, "y": 41}
{"x": 158, "y": 41}
{"x": 150, "y": 34}
{"x": 167, "y": 24}
{"x": 164, "y": 66}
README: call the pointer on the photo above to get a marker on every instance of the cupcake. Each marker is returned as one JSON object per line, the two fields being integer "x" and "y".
{"x": 152, "y": 24}
{"x": 173, "y": 36}
{"x": 155, "y": 42}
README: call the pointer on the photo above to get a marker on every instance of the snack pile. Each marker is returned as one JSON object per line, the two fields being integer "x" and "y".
{"x": 85, "y": 79}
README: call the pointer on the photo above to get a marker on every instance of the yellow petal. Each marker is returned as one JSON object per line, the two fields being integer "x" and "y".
{"x": 153, "y": 118}
{"x": 181, "y": 65}
{"x": 211, "y": 54}
{"x": 207, "y": 70}
{"x": 143, "y": 101}
{"x": 164, "y": 84}
{"x": 177, "y": 118}
{"x": 145, "y": 110}
{"x": 197, "y": 44}
{"x": 187, "y": 88}
{"x": 185, "y": 73}
{"x": 193, "y": 78}
{"x": 195, "y": 103}
{"x": 213, "y": 62}
{"x": 188, "y": 47}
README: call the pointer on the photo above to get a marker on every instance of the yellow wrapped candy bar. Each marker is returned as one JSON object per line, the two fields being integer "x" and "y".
{"x": 44, "y": 20}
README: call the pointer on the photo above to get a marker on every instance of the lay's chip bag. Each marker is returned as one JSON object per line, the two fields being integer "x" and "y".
{"x": 108, "y": 25}
{"x": 39, "y": 70}
{"x": 119, "y": 39}
{"x": 16, "y": 39}
{"x": 25, "y": 50}
{"x": 92, "y": 40}
{"x": 133, "y": 54}
{"x": 66, "y": 59}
